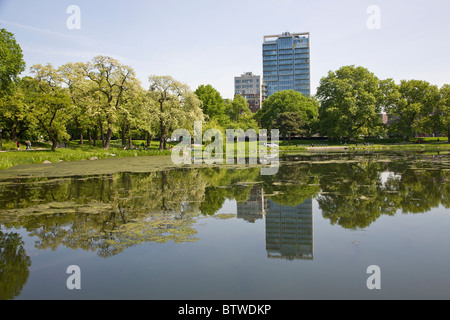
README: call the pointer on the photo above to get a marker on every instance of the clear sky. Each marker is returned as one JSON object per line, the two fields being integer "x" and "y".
{"x": 211, "y": 42}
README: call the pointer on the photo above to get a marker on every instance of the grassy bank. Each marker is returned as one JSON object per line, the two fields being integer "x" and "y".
{"x": 74, "y": 152}
{"x": 414, "y": 144}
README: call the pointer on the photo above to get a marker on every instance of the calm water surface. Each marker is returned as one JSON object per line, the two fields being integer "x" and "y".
{"x": 308, "y": 232}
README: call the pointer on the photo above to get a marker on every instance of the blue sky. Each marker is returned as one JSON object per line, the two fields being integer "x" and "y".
{"x": 211, "y": 42}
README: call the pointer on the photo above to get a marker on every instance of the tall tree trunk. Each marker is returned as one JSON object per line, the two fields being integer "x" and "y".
{"x": 95, "y": 137}
{"x": 149, "y": 139}
{"x": 81, "y": 136}
{"x": 14, "y": 132}
{"x": 89, "y": 135}
{"x": 162, "y": 139}
{"x": 54, "y": 144}
{"x": 103, "y": 138}
{"x": 108, "y": 138}
{"x": 102, "y": 133}
{"x": 124, "y": 138}
{"x": 129, "y": 137}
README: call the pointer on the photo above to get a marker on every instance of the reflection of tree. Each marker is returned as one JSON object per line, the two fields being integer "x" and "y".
{"x": 226, "y": 184}
{"x": 108, "y": 213}
{"x": 353, "y": 194}
{"x": 14, "y": 264}
{"x": 293, "y": 184}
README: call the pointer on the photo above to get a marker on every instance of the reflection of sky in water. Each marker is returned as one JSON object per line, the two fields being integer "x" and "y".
{"x": 386, "y": 175}
{"x": 229, "y": 206}
{"x": 230, "y": 261}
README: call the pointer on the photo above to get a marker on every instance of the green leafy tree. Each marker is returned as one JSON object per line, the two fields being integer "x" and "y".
{"x": 443, "y": 111}
{"x": 413, "y": 111}
{"x": 111, "y": 80}
{"x": 213, "y": 105}
{"x": 177, "y": 106}
{"x": 136, "y": 113}
{"x": 305, "y": 108}
{"x": 350, "y": 103}
{"x": 12, "y": 111}
{"x": 237, "y": 107}
{"x": 11, "y": 66}
{"x": 79, "y": 87}
{"x": 290, "y": 124}
{"x": 49, "y": 106}
{"x": 239, "y": 115}
{"x": 11, "y": 60}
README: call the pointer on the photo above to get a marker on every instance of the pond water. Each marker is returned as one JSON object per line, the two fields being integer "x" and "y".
{"x": 309, "y": 232}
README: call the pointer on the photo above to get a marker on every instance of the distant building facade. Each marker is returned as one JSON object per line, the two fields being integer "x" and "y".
{"x": 249, "y": 86}
{"x": 286, "y": 62}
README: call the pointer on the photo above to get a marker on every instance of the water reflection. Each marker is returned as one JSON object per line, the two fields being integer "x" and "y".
{"x": 14, "y": 265}
{"x": 109, "y": 213}
{"x": 288, "y": 229}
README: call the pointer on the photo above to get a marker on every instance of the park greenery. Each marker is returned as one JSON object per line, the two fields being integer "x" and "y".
{"x": 102, "y": 103}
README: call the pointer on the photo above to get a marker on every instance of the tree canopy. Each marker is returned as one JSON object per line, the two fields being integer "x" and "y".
{"x": 103, "y": 99}
{"x": 350, "y": 102}
{"x": 304, "y": 108}
{"x": 11, "y": 60}
{"x": 413, "y": 111}
{"x": 178, "y": 106}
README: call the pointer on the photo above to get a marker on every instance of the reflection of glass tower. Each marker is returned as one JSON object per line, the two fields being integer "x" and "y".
{"x": 253, "y": 208}
{"x": 289, "y": 231}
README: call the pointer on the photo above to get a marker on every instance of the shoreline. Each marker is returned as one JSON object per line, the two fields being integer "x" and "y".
{"x": 10, "y": 159}
{"x": 155, "y": 163}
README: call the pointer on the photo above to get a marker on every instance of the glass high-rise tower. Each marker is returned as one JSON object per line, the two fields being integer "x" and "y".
{"x": 286, "y": 63}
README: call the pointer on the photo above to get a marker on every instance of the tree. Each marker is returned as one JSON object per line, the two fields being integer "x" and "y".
{"x": 11, "y": 65}
{"x": 212, "y": 102}
{"x": 111, "y": 80}
{"x": 79, "y": 87}
{"x": 12, "y": 111}
{"x": 444, "y": 110}
{"x": 11, "y": 60}
{"x": 306, "y": 108}
{"x": 413, "y": 110}
{"x": 350, "y": 102}
{"x": 290, "y": 124}
{"x": 239, "y": 114}
{"x": 178, "y": 107}
{"x": 48, "y": 105}
{"x": 136, "y": 113}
